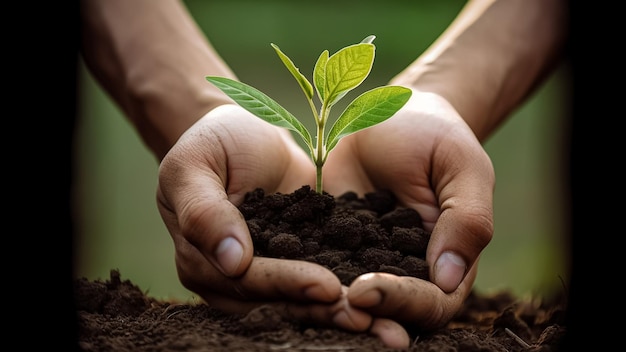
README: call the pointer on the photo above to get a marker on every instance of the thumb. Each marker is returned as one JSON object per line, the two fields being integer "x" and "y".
{"x": 215, "y": 226}
{"x": 221, "y": 234}
{"x": 456, "y": 242}
{"x": 197, "y": 210}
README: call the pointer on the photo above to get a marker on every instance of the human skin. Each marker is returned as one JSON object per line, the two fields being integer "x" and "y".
{"x": 479, "y": 70}
{"x": 211, "y": 152}
{"x": 153, "y": 65}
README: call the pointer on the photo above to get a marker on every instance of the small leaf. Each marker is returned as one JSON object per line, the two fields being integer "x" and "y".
{"x": 261, "y": 105}
{"x": 306, "y": 86}
{"x": 319, "y": 75}
{"x": 369, "y": 39}
{"x": 368, "y": 109}
{"x": 347, "y": 69}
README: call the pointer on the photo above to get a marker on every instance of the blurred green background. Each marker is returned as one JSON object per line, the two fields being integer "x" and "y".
{"x": 117, "y": 221}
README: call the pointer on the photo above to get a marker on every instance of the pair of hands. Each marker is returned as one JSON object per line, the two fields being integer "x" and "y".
{"x": 425, "y": 154}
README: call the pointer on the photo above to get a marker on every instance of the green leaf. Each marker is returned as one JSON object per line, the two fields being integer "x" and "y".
{"x": 347, "y": 69}
{"x": 306, "y": 86}
{"x": 368, "y": 109}
{"x": 319, "y": 75}
{"x": 261, "y": 105}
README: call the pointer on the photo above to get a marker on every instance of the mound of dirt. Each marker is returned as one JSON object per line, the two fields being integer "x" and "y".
{"x": 348, "y": 235}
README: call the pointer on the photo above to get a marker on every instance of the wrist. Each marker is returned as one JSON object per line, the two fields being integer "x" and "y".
{"x": 163, "y": 108}
{"x": 486, "y": 73}
{"x": 152, "y": 65}
{"x": 446, "y": 79}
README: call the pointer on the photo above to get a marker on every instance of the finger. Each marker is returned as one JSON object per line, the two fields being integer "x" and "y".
{"x": 267, "y": 279}
{"x": 295, "y": 279}
{"x": 391, "y": 333}
{"x": 205, "y": 218}
{"x": 407, "y": 299}
{"x": 338, "y": 314}
{"x": 465, "y": 225}
{"x": 454, "y": 245}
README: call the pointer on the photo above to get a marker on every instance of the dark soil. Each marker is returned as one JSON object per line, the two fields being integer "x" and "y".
{"x": 350, "y": 236}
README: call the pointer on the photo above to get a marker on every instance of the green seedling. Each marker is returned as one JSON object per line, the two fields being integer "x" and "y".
{"x": 333, "y": 77}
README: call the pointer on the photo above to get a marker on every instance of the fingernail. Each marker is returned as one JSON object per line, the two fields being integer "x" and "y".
{"x": 352, "y": 319}
{"x": 449, "y": 271}
{"x": 228, "y": 254}
{"x": 342, "y": 319}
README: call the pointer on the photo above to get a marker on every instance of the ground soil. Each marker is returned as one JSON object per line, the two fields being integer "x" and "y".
{"x": 350, "y": 236}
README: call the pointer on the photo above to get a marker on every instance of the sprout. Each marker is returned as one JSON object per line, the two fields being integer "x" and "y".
{"x": 334, "y": 76}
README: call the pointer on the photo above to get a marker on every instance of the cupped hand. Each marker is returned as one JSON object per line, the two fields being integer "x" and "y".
{"x": 202, "y": 179}
{"x": 431, "y": 160}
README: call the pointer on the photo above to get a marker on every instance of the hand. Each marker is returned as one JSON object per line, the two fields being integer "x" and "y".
{"x": 202, "y": 179}
{"x": 430, "y": 159}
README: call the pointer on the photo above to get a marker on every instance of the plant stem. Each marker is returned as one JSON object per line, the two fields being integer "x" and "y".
{"x": 319, "y": 159}
{"x": 318, "y": 179}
